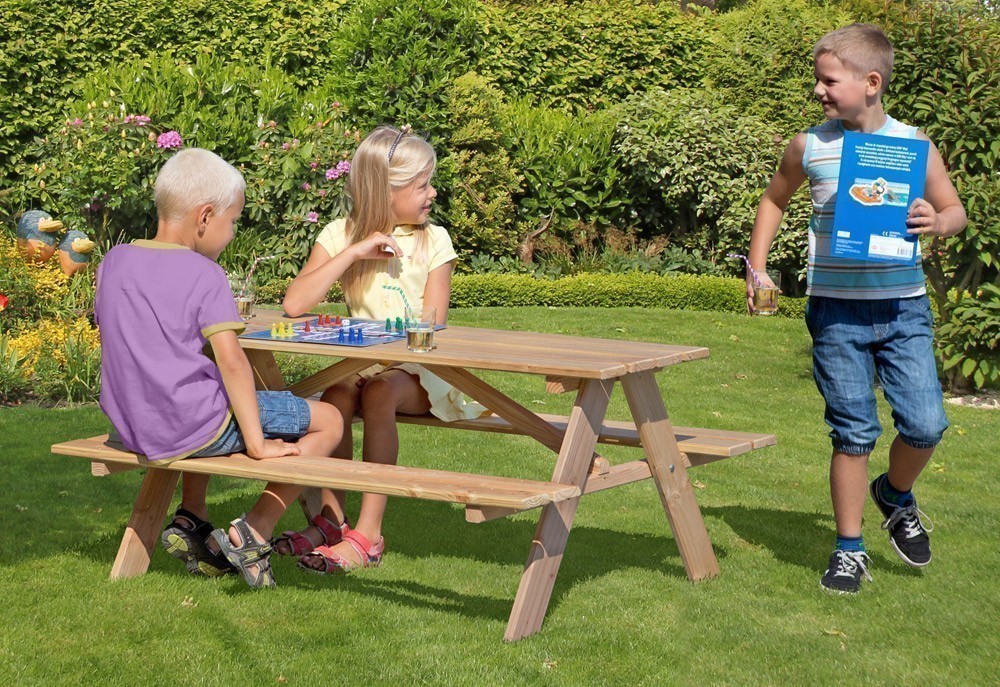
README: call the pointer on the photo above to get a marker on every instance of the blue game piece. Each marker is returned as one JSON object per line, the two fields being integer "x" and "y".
{"x": 350, "y": 335}
{"x": 361, "y": 335}
{"x": 340, "y": 335}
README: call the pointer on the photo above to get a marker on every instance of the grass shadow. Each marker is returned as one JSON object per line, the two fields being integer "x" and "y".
{"x": 797, "y": 538}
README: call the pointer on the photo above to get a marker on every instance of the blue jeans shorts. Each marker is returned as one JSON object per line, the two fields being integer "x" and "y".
{"x": 282, "y": 416}
{"x": 856, "y": 342}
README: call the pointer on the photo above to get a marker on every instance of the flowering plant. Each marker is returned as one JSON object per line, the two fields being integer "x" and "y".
{"x": 300, "y": 172}
{"x": 96, "y": 172}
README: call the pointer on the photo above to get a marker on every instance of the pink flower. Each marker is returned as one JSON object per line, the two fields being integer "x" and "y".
{"x": 285, "y": 145}
{"x": 312, "y": 217}
{"x": 306, "y": 186}
{"x": 138, "y": 120}
{"x": 322, "y": 193}
{"x": 343, "y": 167}
{"x": 313, "y": 165}
{"x": 169, "y": 139}
{"x": 76, "y": 122}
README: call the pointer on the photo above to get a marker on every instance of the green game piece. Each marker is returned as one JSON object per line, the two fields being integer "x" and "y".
{"x": 399, "y": 324}
{"x": 388, "y": 325}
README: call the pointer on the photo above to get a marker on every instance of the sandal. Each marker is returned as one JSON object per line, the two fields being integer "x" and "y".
{"x": 299, "y": 544}
{"x": 190, "y": 544}
{"x": 251, "y": 559}
{"x": 333, "y": 562}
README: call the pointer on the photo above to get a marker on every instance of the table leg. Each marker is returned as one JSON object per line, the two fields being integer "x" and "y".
{"x": 144, "y": 526}
{"x": 556, "y": 519}
{"x": 670, "y": 476}
{"x": 266, "y": 374}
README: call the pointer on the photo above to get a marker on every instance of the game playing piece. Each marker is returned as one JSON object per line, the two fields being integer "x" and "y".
{"x": 399, "y": 324}
{"x": 388, "y": 324}
{"x": 361, "y": 335}
{"x": 340, "y": 335}
{"x": 274, "y": 330}
{"x": 306, "y": 328}
{"x": 337, "y": 321}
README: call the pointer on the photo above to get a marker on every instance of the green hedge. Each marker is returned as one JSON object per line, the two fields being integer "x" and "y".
{"x": 680, "y": 292}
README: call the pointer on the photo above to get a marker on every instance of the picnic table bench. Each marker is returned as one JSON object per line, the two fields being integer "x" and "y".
{"x": 590, "y": 367}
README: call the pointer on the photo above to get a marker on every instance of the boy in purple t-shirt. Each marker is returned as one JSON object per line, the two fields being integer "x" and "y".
{"x": 158, "y": 303}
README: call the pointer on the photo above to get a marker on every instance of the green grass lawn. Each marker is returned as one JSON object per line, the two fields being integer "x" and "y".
{"x": 622, "y": 612}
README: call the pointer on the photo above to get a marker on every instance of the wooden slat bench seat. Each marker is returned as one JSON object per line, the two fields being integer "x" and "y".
{"x": 699, "y": 445}
{"x": 315, "y": 471}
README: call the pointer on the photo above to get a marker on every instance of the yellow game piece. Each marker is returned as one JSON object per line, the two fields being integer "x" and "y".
{"x": 274, "y": 331}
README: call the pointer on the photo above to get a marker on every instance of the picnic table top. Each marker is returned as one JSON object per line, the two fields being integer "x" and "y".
{"x": 500, "y": 349}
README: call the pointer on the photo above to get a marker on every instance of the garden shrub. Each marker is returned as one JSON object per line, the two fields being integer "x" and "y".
{"x": 49, "y": 45}
{"x": 587, "y": 55}
{"x": 394, "y": 60}
{"x": 477, "y": 181}
{"x": 970, "y": 340}
{"x": 691, "y": 156}
{"x": 571, "y": 176}
{"x": 759, "y": 59}
{"x": 635, "y": 289}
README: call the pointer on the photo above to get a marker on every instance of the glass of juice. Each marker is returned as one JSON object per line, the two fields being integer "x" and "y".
{"x": 420, "y": 328}
{"x": 765, "y": 292}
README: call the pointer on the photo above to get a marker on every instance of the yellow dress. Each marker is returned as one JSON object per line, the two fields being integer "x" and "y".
{"x": 400, "y": 285}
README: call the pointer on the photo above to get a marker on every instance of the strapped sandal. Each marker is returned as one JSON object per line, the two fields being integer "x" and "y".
{"x": 333, "y": 562}
{"x": 190, "y": 544}
{"x": 251, "y": 559}
{"x": 299, "y": 544}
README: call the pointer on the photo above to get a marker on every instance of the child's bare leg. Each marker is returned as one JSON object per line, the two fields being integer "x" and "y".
{"x": 848, "y": 490}
{"x": 906, "y": 463}
{"x": 382, "y": 396}
{"x": 342, "y": 399}
{"x": 194, "y": 489}
{"x": 324, "y": 432}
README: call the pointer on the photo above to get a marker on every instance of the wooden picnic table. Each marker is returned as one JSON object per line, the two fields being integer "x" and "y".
{"x": 589, "y": 367}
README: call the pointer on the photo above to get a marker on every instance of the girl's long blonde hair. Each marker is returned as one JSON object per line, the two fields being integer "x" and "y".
{"x": 372, "y": 179}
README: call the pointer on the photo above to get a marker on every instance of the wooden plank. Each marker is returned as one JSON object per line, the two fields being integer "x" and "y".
{"x": 523, "y": 420}
{"x": 705, "y": 443}
{"x": 332, "y": 473}
{"x": 266, "y": 374}
{"x": 560, "y": 385}
{"x": 99, "y": 469}
{"x": 556, "y": 520}
{"x": 144, "y": 526}
{"x": 670, "y": 476}
{"x": 326, "y": 378}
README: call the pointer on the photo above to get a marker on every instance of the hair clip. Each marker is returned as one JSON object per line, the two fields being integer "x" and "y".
{"x": 403, "y": 130}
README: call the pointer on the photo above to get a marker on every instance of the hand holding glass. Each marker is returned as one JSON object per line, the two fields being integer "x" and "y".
{"x": 765, "y": 292}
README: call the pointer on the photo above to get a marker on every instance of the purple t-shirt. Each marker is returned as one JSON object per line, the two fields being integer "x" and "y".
{"x": 156, "y": 305}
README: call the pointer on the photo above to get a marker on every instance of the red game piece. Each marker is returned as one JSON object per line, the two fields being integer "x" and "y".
{"x": 306, "y": 328}
{"x": 337, "y": 321}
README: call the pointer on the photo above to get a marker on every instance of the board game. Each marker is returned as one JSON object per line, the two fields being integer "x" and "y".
{"x": 337, "y": 331}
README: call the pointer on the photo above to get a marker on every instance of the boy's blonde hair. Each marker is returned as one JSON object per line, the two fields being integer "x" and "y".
{"x": 388, "y": 159}
{"x": 192, "y": 178}
{"x": 863, "y": 48}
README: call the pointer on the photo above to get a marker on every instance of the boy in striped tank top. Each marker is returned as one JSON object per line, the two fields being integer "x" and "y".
{"x": 866, "y": 319}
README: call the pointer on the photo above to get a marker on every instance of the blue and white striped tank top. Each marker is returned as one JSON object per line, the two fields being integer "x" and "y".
{"x": 838, "y": 277}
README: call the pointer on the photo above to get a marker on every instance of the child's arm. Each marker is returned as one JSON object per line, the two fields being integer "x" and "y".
{"x": 785, "y": 182}
{"x": 238, "y": 378}
{"x": 437, "y": 290}
{"x": 322, "y": 271}
{"x": 939, "y": 212}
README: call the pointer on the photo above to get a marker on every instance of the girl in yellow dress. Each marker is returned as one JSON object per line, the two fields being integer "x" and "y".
{"x": 384, "y": 253}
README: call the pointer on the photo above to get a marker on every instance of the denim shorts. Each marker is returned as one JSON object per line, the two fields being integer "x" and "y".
{"x": 855, "y": 343}
{"x": 282, "y": 416}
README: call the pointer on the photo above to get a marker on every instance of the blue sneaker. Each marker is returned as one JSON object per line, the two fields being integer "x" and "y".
{"x": 844, "y": 573}
{"x": 905, "y": 524}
